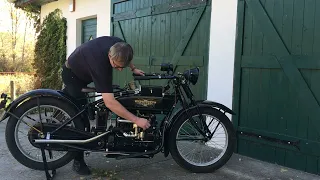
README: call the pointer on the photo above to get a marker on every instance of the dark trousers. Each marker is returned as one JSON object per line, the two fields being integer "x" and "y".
{"x": 73, "y": 86}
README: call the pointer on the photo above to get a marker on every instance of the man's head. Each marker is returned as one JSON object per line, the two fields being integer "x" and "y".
{"x": 120, "y": 55}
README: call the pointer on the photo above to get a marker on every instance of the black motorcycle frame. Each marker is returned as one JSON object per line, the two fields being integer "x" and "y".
{"x": 182, "y": 93}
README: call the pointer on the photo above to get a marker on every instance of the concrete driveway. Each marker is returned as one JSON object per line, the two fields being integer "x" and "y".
{"x": 238, "y": 168}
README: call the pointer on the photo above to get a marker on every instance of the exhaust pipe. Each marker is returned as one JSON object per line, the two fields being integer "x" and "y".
{"x": 116, "y": 153}
{"x": 55, "y": 141}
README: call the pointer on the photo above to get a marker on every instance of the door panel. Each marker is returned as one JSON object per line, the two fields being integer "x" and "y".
{"x": 89, "y": 32}
{"x": 276, "y": 94}
{"x": 89, "y": 29}
{"x": 162, "y": 32}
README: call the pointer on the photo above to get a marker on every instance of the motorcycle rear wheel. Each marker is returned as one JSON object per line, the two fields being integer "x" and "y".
{"x": 193, "y": 164}
{"x": 11, "y": 132}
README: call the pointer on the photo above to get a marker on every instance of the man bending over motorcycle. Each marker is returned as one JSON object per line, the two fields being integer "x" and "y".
{"x": 94, "y": 61}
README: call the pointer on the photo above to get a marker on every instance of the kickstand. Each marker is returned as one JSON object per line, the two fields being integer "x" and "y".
{"x": 45, "y": 164}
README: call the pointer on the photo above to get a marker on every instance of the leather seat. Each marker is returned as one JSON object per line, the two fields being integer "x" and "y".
{"x": 92, "y": 89}
{"x": 88, "y": 90}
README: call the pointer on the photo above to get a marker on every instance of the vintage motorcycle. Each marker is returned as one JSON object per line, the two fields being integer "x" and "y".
{"x": 197, "y": 133}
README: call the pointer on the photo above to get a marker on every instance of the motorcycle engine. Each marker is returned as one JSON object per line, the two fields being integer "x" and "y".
{"x": 133, "y": 138}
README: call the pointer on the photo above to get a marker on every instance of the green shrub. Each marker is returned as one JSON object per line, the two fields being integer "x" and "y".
{"x": 50, "y": 50}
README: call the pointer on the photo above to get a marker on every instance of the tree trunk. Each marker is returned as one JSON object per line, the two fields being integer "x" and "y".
{"x": 24, "y": 41}
{"x": 14, "y": 16}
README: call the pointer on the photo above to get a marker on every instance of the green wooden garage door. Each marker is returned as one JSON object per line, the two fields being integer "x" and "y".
{"x": 89, "y": 32}
{"x": 277, "y": 89}
{"x": 164, "y": 31}
{"x": 89, "y": 29}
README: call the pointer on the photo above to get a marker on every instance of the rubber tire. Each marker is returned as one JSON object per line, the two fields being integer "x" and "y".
{"x": 11, "y": 124}
{"x": 202, "y": 169}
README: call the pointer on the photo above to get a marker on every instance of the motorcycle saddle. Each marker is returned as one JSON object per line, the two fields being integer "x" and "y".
{"x": 92, "y": 89}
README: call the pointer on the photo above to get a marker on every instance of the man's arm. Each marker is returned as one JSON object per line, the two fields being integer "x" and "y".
{"x": 136, "y": 70}
{"x": 132, "y": 67}
{"x": 117, "y": 108}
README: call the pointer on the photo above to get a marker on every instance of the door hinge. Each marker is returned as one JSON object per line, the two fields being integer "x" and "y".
{"x": 271, "y": 139}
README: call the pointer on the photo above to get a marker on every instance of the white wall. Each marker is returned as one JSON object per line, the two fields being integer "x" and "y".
{"x": 221, "y": 51}
{"x": 84, "y": 9}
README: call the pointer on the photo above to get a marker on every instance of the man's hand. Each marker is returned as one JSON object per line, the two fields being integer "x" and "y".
{"x": 138, "y": 72}
{"x": 121, "y": 111}
{"x": 143, "y": 123}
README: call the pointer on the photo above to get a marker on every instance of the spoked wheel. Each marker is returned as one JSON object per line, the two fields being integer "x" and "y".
{"x": 193, "y": 151}
{"x": 18, "y": 132}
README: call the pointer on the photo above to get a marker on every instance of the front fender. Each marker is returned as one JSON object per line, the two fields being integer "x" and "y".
{"x": 211, "y": 104}
{"x": 216, "y": 105}
{"x": 38, "y": 93}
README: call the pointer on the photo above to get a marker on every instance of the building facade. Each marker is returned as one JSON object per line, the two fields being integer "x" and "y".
{"x": 257, "y": 57}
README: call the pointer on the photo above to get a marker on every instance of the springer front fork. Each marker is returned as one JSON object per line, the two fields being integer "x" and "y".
{"x": 205, "y": 132}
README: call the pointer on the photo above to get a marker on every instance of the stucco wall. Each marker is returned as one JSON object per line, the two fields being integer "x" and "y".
{"x": 221, "y": 52}
{"x": 84, "y": 9}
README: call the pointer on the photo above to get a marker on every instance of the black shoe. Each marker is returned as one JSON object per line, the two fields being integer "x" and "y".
{"x": 81, "y": 167}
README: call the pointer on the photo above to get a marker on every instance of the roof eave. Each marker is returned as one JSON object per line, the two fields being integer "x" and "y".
{"x": 37, "y": 3}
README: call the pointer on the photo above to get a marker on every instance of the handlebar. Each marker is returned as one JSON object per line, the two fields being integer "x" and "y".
{"x": 148, "y": 74}
{"x": 153, "y": 76}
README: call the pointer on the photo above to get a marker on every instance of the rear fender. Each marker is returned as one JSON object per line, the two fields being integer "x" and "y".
{"x": 39, "y": 93}
{"x": 181, "y": 111}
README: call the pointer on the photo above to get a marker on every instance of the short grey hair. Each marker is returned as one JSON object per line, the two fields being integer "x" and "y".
{"x": 121, "y": 52}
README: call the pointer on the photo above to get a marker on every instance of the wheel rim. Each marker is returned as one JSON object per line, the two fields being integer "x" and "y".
{"x": 48, "y": 113}
{"x": 198, "y": 152}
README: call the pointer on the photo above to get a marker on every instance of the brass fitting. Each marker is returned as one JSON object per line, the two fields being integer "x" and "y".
{"x": 135, "y": 127}
{"x": 141, "y": 136}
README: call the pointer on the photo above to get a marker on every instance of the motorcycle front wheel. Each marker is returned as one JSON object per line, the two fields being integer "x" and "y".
{"x": 195, "y": 153}
{"x": 50, "y": 110}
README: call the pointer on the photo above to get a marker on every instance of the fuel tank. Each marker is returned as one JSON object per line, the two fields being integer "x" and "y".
{"x": 148, "y": 103}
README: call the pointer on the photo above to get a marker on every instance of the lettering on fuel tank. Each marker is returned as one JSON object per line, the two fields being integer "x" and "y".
{"x": 145, "y": 103}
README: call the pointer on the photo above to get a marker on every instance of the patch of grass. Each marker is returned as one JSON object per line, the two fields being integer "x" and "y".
{"x": 22, "y": 82}
{"x": 100, "y": 174}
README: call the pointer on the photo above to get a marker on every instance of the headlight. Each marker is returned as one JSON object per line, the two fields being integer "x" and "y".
{"x": 192, "y": 75}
